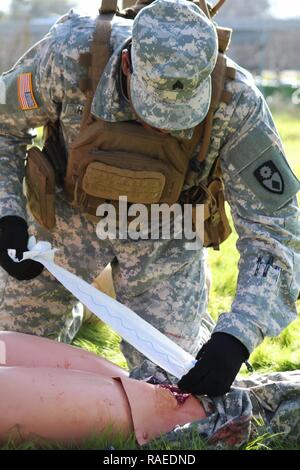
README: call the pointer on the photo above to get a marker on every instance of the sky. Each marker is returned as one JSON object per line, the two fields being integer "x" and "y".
{"x": 280, "y": 8}
{"x": 286, "y": 8}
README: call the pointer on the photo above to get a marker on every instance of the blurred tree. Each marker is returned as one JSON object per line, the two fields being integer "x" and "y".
{"x": 245, "y": 8}
{"x": 39, "y": 8}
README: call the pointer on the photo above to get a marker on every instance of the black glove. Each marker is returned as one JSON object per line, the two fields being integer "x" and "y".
{"x": 14, "y": 235}
{"x": 219, "y": 361}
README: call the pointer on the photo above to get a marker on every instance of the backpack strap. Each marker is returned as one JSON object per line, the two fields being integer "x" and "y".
{"x": 108, "y": 6}
{"x": 214, "y": 9}
{"x": 204, "y": 7}
{"x": 224, "y": 38}
{"x": 100, "y": 50}
{"x": 96, "y": 59}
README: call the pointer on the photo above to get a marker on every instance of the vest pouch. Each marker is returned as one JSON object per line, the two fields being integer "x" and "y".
{"x": 107, "y": 175}
{"x": 216, "y": 225}
{"x": 40, "y": 188}
{"x": 109, "y": 182}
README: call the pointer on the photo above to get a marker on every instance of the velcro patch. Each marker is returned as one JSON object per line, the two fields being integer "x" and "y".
{"x": 25, "y": 92}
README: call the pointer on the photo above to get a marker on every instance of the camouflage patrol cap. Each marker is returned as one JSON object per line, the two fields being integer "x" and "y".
{"x": 174, "y": 51}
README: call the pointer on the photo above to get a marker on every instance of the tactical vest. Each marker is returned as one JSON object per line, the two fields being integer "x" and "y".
{"x": 109, "y": 160}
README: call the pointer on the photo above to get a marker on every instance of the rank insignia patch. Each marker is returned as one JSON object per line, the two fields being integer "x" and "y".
{"x": 25, "y": 92}
{"x": 270, "y": 177}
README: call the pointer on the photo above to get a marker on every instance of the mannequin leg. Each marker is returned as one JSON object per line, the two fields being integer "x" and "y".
{"x": 43, "y": 394}
{"x": 61, "y": 405}
{"x": 19, "y": 349}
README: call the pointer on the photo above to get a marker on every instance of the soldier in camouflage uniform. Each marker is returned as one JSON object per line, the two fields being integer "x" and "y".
{"x": 160, "y": 280}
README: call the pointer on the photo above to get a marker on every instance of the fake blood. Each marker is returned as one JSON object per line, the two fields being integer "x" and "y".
{"x": 178, "y": 394}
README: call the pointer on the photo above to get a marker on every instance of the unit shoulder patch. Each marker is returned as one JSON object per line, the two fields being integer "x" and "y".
{"x": 263, "y": 168}
{"x": 26, "y": 97}
{"x": 270, "y": 177}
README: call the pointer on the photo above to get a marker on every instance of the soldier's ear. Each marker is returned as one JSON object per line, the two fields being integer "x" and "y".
{"x": 126, "y": 63}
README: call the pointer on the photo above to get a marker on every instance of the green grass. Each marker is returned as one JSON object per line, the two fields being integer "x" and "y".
{"x": 276, "y": 354}
{"x": 100, "y": 339}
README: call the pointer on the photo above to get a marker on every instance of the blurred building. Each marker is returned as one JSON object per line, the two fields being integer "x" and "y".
{"x": 263, "y": 44}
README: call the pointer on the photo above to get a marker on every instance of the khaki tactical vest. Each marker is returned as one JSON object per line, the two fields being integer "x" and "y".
{"x": 109, "y": 160}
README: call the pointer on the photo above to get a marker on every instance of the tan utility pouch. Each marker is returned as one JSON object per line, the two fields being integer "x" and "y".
{"x": 109, "y": 182}
{"x": 40, "y": 188}
{"x": 107, "y": 175}
{"x": 216, "y": 225}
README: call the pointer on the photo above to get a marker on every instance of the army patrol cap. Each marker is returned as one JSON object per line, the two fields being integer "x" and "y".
{"x": 174, "y": 51}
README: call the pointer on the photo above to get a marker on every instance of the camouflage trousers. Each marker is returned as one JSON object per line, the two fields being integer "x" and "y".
{"x": 160, "y": 280}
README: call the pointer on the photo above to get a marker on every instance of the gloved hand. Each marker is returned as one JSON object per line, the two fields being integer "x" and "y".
{"x": 219, "y": 361}
{"x": 14, "y": 235}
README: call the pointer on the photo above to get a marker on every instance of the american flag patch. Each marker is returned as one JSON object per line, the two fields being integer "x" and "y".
{"x": 25, "y": 92}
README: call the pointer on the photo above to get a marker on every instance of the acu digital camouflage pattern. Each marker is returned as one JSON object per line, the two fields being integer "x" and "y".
{"x": 172, "y": 90}
{"x": 160, "y": 280}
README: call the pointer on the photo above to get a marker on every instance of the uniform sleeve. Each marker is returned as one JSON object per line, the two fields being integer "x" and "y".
{"x": 261, "y": 190}
{"x": 30, "y": 96}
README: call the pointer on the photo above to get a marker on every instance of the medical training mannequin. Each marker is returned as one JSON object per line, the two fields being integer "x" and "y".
{"x": 59, "y": 392}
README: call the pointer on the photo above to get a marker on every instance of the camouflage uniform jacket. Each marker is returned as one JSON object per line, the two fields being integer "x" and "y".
{"x": 260, "y": 186}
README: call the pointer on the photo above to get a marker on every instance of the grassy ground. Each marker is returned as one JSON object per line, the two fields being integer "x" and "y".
{"x": 282, "y": 353}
